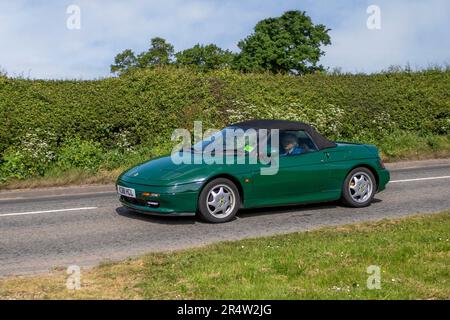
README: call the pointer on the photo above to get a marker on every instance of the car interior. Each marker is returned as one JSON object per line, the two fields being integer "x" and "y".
{"x": 303, "y": 141}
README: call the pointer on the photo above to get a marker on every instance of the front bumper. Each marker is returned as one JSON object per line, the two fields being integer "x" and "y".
{"x": 384, "y": 177}
{"x": 172, "y": 200}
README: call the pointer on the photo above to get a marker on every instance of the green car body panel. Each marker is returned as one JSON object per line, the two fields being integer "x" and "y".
{"x": 309, "y": 177}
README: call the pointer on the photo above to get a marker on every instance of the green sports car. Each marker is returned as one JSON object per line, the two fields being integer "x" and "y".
{"x": 301, "y": 166}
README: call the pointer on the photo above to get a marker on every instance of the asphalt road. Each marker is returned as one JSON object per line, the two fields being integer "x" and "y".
{"x": 39, "y": 232}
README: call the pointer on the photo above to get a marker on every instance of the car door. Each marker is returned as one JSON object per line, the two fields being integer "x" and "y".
{"x": 301, "y": 177}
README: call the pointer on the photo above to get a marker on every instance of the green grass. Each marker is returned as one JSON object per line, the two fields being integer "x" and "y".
{"x": 331, "y": 263}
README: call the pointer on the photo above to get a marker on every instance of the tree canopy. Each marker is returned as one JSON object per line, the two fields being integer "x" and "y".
{"x": 124, "y": 61}
{"x": 205, "y": 58}
{"x": 291, "y": 43}
{"x": 160, "y": 53}
{"x": 287, "y": 44}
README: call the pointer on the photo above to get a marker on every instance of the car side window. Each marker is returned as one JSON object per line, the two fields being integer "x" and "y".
{"x": 294, "y": 143}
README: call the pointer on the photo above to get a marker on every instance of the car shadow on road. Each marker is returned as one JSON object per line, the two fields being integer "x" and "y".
{"x": 242, "y": 214}
{"x": 247, "y": 213}
{"x": 127, "y": 213}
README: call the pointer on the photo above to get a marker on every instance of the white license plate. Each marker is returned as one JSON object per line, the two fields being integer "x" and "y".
{"x": 127, "y": 192}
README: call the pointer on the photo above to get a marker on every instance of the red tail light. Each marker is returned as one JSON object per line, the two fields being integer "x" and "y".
{"x": 382, "y": 164}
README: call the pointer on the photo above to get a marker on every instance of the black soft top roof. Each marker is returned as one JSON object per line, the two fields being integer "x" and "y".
{"x": 320, "y": 141}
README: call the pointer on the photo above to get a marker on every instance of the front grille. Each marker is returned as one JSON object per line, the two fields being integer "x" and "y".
{"x": 137, "y": 202}
{"x": 140, "y": 202}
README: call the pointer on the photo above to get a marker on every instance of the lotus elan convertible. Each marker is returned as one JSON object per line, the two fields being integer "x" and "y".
{"x": 310, "y": 168}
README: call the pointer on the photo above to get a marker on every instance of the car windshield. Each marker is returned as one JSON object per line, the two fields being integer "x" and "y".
{"x": 228, "y": 140}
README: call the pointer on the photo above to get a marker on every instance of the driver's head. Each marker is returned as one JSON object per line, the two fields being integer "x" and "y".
{"x": 289, "y": 141}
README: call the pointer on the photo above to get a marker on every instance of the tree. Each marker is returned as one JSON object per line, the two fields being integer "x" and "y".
{"x": 123, "y": 62}
{"x": 205, "y": 58}
{"x": 287, "y": 44}
{"x": 159, "y": 54}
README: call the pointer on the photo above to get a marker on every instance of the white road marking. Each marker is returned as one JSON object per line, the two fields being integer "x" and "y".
{"x": 93, "y": 208}
{"x": 439, "y": 165}
{"x": 47, "y": 211}
{"x": 421, "y": 179}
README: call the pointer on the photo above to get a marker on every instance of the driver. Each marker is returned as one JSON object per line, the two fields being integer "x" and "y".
{"x": 290, "y": 145}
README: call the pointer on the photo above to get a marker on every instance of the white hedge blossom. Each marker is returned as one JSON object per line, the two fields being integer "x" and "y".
{"x": 33, "y": 146}
{"x": 122, "y": 141}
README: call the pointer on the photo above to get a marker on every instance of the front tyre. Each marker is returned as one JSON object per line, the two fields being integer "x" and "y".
{"x": 359, "y": 188}
{"x": 219, "y": 201}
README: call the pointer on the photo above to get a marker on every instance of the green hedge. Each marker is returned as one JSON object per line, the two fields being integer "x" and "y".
{"x": 142, "y": 109}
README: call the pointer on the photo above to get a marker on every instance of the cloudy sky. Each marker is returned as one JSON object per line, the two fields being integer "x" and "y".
{"x": 36, "y": 43}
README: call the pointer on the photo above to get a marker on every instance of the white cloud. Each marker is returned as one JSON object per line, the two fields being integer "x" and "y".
{"x": 413, "y": 32}
{"x": 36, "y": 43}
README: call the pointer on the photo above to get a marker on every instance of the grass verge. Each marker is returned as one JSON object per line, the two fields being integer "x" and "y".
{"x": 63, "y": 179}
{"x": 331, "y": 263}
{"x": 410, "y": 146}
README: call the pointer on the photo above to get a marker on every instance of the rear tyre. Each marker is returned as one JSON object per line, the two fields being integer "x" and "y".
{"x": 219, "y": 201}
{"x": 359, "y": 188}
